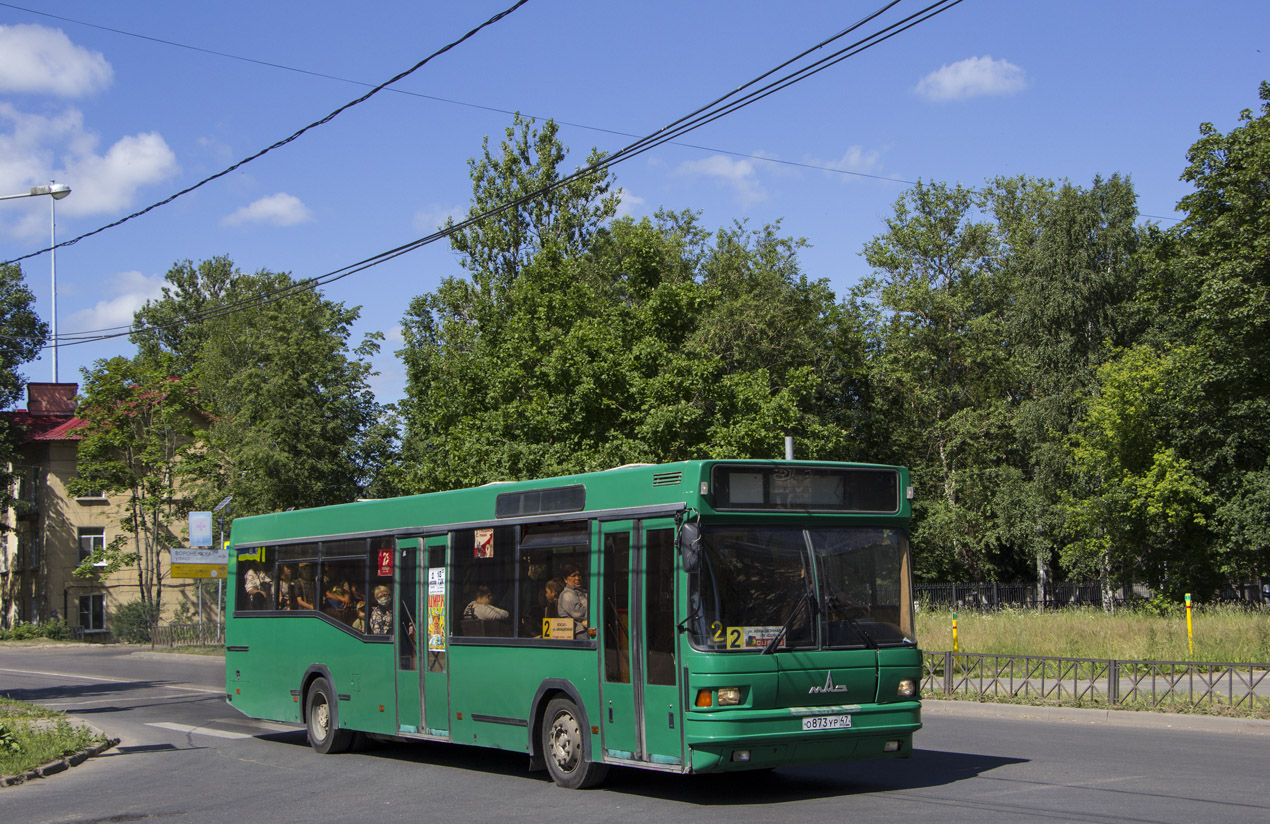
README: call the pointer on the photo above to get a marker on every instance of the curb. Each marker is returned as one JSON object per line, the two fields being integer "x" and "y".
{"x": 1123, "y": 718}
{"x": 61, "y": 764}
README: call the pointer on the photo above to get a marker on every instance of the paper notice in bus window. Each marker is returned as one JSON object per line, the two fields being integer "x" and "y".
{"x": 557, "y": 628}
{"x": 484, "y": 543}
{"x": 385, "y": 563}
{"x": 436, "y": 622}
{"x": 436, "y": 581}
{"x": 756, "y": 637}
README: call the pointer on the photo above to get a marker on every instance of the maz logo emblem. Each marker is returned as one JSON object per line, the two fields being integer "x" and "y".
{"x": 829, "y": 686}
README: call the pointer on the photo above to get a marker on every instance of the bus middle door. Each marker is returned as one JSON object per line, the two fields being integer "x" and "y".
{"x": 641, "y": 713}
{"x": 435, "y": 670}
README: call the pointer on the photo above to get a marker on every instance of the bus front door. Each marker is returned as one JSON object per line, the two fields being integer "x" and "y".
{"x": 435, "y": 671}
{"x": 640, "y": 712}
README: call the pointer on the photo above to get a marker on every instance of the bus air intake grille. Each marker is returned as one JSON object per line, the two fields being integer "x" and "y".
{"x": 667, "y": 478}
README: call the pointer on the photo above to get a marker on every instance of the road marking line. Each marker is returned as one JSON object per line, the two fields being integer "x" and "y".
{"x": 190, "y": 728}
{"x": 105, "y": 680}
{"x": 262, "y": 725}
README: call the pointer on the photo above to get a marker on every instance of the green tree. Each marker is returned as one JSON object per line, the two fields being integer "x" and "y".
{"x": 1212, "y": 290}
{"x": 292, "y": 419}
{"x": 22, "y": 335}
{"x": 563, "y": 219}
{"x": 140, "y": 441}
{"x": 941, "y": 369}
{"x": 1071, "y": 257}
{"x": 1138, "y": 510}
{"x": 623, "y": 341}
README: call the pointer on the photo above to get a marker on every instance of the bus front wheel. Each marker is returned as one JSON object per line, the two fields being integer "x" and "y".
{"x": 562, "y": 748}
{"x": 324, "y": 735}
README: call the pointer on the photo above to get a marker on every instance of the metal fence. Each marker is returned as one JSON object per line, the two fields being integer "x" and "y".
{"x": 187, "y": 635}
{"x": 1150, "y": 684}
{"x": 992, "y": 596}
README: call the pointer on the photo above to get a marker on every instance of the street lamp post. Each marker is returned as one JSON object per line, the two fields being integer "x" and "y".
{"x": 55, "y": 191}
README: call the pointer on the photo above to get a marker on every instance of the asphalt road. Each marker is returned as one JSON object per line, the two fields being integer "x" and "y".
{"x": 186, "y": 756}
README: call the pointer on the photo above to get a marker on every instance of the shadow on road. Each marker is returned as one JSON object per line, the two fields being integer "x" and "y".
{"x": 927, "y": 768}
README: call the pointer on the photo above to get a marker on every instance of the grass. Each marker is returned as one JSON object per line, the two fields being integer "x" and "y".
{"x": 31, "y": 736}
{"x": 1221, "y": 634}
{"x": 212, "y": 651}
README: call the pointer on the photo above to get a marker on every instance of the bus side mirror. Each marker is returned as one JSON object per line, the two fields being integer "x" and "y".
{"x": 690, "y": 547}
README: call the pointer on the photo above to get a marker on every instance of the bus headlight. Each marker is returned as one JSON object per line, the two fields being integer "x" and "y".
{"x": 729, "y": 696}
{"x": 907, "y": 688}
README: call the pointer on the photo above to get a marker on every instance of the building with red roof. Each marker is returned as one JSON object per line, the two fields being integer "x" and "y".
{"x": 51, "y": 531}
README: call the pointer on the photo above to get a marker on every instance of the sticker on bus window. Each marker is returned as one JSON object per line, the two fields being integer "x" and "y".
{"x": 436, "y": 581}
{"x": 436, "y": 621}
{"x": 484, "y": 543}
{"x": 385, "y": 563}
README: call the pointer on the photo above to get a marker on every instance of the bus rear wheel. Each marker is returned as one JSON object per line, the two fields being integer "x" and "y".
{"x": 563, "y": 750}
{"x": 320, "y": 720}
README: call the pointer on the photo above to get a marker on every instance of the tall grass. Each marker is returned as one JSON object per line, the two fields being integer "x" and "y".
{"x": 1221, "y": 634}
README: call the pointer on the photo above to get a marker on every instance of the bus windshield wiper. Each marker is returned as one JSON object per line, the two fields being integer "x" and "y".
{"x": 808, "y": 598}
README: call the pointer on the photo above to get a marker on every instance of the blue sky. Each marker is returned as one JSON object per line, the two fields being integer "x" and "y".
{"x": 1054, "y": 89}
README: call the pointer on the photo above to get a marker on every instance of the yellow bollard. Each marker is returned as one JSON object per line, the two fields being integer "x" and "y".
{"x": 1190, "y": 639}
{"x": 955, "y": 648}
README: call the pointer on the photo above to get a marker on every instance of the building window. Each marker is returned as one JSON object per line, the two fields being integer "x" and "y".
{"x": 91, "y": 539}
{"x": 92, "y": 613}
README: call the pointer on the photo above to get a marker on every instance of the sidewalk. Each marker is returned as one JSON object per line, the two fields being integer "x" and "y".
{"x": 1122, "y": 718}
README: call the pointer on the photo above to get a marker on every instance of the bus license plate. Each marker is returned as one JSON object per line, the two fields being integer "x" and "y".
{"x": 827, "y": 722}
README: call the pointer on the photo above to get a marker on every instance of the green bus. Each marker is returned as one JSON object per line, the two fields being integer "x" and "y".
{"x": 693, "y": 617}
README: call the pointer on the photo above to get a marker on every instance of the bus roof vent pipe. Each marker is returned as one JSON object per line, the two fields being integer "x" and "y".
{"x": 789, "y": 447}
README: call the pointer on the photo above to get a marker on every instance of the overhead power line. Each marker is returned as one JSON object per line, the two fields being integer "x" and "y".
{"x": 287, "y": 140}
{"x": 438, "y": 98}
{"x": 720, "y": 107}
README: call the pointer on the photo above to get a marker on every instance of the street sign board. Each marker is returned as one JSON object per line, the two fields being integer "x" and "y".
{"x": 200, "y": 529}
{"x": 199, "y": 563}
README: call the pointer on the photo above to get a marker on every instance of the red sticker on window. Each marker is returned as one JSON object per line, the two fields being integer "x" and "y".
{"x": 385, "y": 563}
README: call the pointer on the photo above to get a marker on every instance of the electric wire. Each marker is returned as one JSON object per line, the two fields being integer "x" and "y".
{"x": 284, "y": 141}
{"x": 696, "y": 119}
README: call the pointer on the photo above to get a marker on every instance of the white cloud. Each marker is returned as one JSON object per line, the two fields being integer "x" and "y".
{"x": 738, "y": 174}
{"x": 281, "y": 209}
{"x": 854, "y": 159}
{"x": 35, "y": 149}
{"x": 36, "y": 60}
{"x": 627, "y": 203}
{"x": 131, "y": 290}
{"x": 973, "y": 77}
{"x": 433, "y": 217}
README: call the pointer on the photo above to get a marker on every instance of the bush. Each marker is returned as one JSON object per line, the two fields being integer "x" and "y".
{"x": 22, "y": 631}
{"x": 131, "y": 622}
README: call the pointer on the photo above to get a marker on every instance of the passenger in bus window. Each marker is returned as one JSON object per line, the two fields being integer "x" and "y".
{"x": 306, "y": 597}
{"x": 552, "y": 590}
{"x": 482, "y": 607}
{"x": 258, "y": 586}
{"x": 337, "y": 604}
{"x": 547, "y": 606}
{"x": 381, "y": 612}
{"x": 573, "y": 600}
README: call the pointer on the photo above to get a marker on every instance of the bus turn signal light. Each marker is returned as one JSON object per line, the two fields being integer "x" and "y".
{"x": 704, "y": 698}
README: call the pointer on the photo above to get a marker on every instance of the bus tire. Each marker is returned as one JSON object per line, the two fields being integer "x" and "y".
{"x": 563, "y": 749}
{"x": 320, "y": 720}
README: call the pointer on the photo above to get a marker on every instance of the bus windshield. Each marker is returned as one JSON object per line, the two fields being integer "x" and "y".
{"x": 836, "y": 587}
